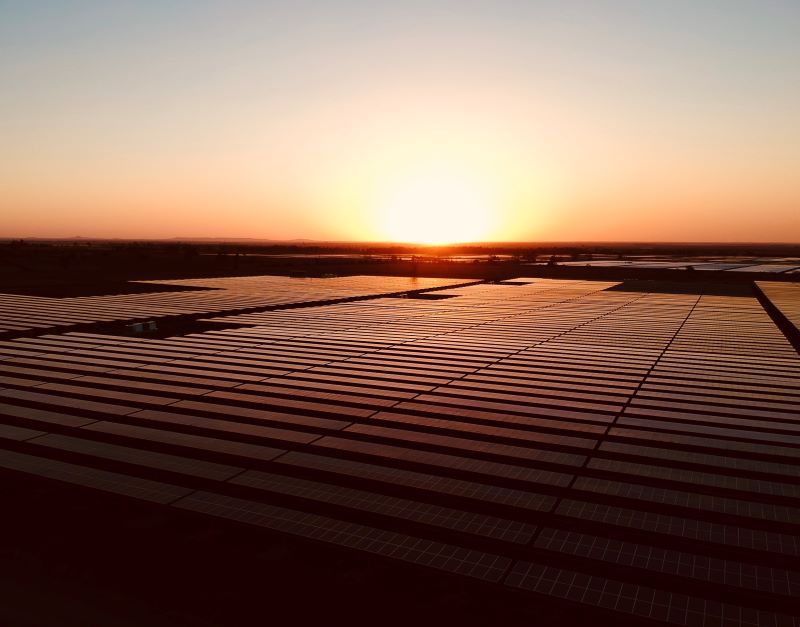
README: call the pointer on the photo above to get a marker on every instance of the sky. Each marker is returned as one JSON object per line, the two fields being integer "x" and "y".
{"x": 444, "y": 121}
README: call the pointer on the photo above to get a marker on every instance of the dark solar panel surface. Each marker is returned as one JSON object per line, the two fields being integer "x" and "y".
{"x": 631, "y": 451}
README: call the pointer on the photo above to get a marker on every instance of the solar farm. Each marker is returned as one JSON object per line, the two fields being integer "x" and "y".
{"x": 631, "y": 453}
{"x": 757, "y": 266}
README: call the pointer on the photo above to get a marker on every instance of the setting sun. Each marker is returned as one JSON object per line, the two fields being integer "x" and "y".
{"x": 436, "y": 208}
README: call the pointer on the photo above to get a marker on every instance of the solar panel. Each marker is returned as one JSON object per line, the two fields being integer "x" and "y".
{"x": 447, "y": 557}
{"x": 624, "y": 450}
{"x": 643, "y": 601}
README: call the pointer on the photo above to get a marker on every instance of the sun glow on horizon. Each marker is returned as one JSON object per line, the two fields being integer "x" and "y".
{"x": 436, "y": 208}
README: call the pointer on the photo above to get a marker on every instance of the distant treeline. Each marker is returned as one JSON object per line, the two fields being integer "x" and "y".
{"x": 518, "y": 249}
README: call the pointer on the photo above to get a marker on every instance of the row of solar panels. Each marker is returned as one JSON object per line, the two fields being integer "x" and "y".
{"x": 25, "y": 313}
{"x": 677, "y": 264}
{"x": 631, "y": 451}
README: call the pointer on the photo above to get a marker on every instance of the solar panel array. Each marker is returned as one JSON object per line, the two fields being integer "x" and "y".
{"x": 779, "y": 267}
{"x": 770, "y": 268}
{"x": 27, "y": 313}
{"x": 785, "y": 297}
{"x": 626, "y": 451}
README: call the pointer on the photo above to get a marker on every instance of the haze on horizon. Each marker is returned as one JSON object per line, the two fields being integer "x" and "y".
{"x": 443, "y": 121}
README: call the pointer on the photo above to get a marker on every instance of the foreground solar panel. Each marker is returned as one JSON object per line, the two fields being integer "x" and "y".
{"x": 625, "y": 451}
{"x": 785, "y": 297}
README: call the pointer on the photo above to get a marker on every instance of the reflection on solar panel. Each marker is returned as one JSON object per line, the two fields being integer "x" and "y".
{"x": 628, "y": 451}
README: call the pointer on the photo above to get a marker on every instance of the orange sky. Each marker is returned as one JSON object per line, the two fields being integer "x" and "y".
{"x": 426, "y": 122}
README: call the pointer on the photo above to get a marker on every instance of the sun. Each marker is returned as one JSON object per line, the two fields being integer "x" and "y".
{"x": 436, "y": 208}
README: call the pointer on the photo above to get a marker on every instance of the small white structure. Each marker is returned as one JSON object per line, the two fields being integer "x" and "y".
{"x": 141, "y": 327}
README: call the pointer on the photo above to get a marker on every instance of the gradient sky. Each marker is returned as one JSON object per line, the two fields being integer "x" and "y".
{"x": 652, "y": 120}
